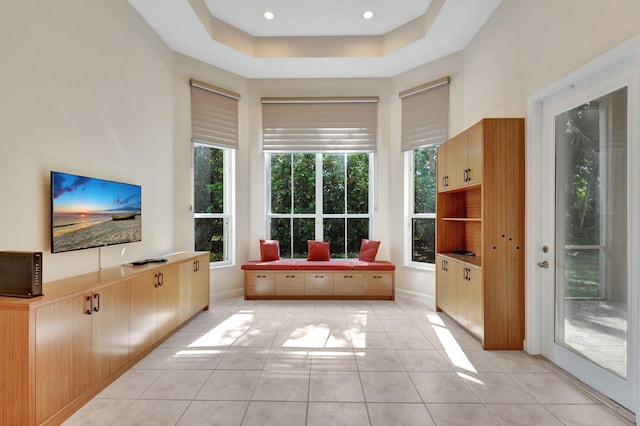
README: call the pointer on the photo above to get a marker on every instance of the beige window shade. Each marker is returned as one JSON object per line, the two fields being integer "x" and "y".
{"x": 319, "y": 124}
{"x": 425, "y": 115}
{"x": 214, "y": 115}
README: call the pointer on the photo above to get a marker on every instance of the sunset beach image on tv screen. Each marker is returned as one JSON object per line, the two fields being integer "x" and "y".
{"x": 88, "y": 212}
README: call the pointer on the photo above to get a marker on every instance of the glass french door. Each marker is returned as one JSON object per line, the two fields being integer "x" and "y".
{"x": 585, "y": 222}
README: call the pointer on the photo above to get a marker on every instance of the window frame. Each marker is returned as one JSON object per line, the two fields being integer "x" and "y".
{"x": 319, "y": 216}
{"x": 409, "y": 158}
{"x": 228, "y": 214}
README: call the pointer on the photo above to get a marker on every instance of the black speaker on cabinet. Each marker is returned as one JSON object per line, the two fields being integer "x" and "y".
{"x": 20, "y": 273}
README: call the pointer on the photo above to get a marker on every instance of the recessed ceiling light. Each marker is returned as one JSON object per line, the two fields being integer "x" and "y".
{"x": 368, "y": 14}
{"x": 269, "y": 15}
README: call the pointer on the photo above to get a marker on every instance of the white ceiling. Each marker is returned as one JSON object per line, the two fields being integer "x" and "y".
{"x": 316, "y": 38}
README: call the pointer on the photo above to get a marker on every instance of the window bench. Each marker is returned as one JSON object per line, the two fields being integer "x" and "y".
{"x": 333, "y": 279}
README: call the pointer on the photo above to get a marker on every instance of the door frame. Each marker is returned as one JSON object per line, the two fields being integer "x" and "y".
{"x": 627, "y": 52}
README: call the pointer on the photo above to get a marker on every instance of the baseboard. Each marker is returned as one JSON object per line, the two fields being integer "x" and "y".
{"x": 228, "y": 294}
{"x": 429, "y": 300}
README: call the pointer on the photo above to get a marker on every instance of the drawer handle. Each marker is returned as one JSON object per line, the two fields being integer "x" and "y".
{"x": 319, "y": 276}
{"x": 377, "y": 276}
{"x": 261, "y": 276}
{"x": 291, "y": 276}
{"x": 348, "y": 276}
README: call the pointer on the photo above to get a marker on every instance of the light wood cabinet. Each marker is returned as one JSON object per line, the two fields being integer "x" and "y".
{"x": 194, "y": 286}
{"x": 259, "y": 283}
{"x": 290, "y": 283}
{"x": 481, "y": 211}
{"x": 63, "y": 356}
{"x": 460, "y": 160}
{"x": 347, "y": 283}
{"x": 318, "y": 283}
{"x": 110, "y": 330}
{"x": 61, "y": 349}
{"x": 377, "y": 283}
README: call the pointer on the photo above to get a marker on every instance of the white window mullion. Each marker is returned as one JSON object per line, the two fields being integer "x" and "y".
{"x": 319, "y": 199}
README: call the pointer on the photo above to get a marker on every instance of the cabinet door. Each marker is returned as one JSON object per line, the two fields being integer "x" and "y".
{"x": 194, "y": 287}
{"x": 168, "y": 294}
{"x": 110, "y": 329}
{"x": 441, "y": 166}
{"x": 463, "y": 294}
{"x": 457, "y": 158}
{"x": 318, "y": 283}
{"x": 451, "y": 292}
{"x": 143, "y": 313}
{"x": 259, "y": 283}
{"x": 474, "y": 162}
{"x": 63, "y": 354}
{"x": 441, "y": 283}
{"x": 290, "y": 283}
{"x": 377, "y": 284}
{"x": 347, "y": 283}
{"x": 476, "y": 303}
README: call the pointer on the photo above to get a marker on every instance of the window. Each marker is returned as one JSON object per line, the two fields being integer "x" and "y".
{"x": 425, "y": 122}
{"x": 423, "y": 200}
{"x": 319, "y": 196}
{"x": 212, "y": 190}
{"x": 214, "y": 132}
{"x": 319, "y": 156}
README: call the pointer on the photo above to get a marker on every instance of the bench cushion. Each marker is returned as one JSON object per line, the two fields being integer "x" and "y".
{"x": 378, "y": 265}
{"x": 325, "y": 265}
{"x": 275, "y": 265}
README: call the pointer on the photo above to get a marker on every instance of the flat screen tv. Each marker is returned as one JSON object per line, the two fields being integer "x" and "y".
{"x": 87, "y": 212}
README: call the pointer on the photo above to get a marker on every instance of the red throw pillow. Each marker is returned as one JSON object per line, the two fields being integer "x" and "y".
{"x": 318, "y": 250}
{"x": 368, "y": 250}
{"x": 269, "y": 250}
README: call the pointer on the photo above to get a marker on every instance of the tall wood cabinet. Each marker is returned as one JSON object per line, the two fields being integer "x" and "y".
{"x": 60, "y": 349}
{"x": 480, "y": 209}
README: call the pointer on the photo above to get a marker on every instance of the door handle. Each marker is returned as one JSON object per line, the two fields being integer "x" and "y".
{"x": 544, "y": 264}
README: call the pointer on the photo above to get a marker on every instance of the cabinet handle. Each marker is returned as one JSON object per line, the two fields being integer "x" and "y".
{"x": 157, "y": 280}
{"x": 468, "y": 175}
{"x": 290, "y": 276}
{"x": 161, "y": 279}
{"x": 319, "y": 276}
{"x": 377, "y": 276}
{"x": 261, "y": 276}
{"x": 90, "y": 300}
{"x": 348, "y": 276}
{"x": 97, "y": 297}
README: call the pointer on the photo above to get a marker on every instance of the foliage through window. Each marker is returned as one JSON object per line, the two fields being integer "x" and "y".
{"x": 423, "y": 213}
{"x": 316, "y": 196}
{"x": 210, "y": 200}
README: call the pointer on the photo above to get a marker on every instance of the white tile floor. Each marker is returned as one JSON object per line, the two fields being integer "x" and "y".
{"x": 337, "y": 363}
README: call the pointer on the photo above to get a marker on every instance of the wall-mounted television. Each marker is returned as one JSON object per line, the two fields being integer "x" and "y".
{"x": 88, "y": 212}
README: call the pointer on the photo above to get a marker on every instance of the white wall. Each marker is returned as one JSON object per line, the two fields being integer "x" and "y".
{"x": 224, "y": 280}
{"x": 86, "y": 88}
{"x": 527, "y": 45}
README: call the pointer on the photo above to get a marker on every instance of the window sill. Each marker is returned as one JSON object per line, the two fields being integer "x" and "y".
{"x": 421, "y": 266}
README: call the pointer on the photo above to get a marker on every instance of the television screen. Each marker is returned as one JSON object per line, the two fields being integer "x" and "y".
{"x": 88, "y": 212}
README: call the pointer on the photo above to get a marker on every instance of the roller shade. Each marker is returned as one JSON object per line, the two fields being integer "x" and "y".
{"x": 319, "y": 124}
{"x": 425, "y": 115}
{"x": 214, "y": 115}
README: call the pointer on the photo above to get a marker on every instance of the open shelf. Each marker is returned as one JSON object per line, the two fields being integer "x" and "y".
{"x": 472, "y": 260}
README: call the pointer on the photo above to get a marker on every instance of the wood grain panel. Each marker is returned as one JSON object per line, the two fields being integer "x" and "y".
{"x": 290, "y": 283}
{"x": 347, "y": 283}
{"x": 377, "y": 284}
{"x": 110, "y": 330}
{"x": 259, "y": 283}
{"x": 318, "y": 283}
